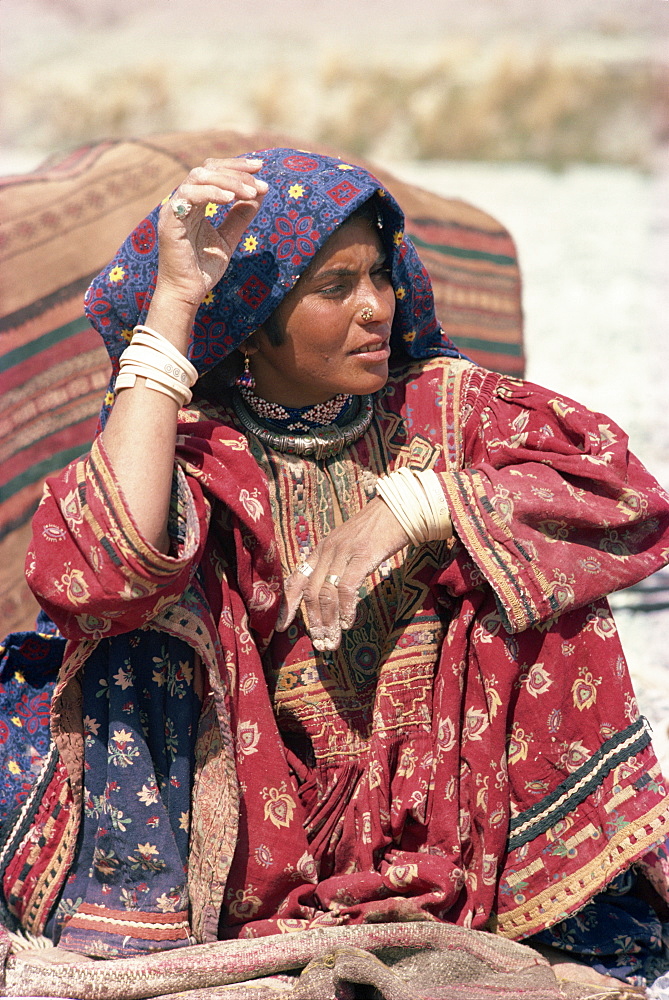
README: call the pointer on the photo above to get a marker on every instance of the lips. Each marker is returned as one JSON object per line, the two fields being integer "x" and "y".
{"x": 377, "y": 347}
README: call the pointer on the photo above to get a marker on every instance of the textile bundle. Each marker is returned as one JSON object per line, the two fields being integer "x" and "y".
{"x": 420, "y": 961}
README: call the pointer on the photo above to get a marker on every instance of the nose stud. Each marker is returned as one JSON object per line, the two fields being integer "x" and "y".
{"x": 366, "y": 313}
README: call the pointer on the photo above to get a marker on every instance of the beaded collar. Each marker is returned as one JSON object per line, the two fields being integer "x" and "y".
{"x": 298, "y": 419}
{"x": 321, "y": 441}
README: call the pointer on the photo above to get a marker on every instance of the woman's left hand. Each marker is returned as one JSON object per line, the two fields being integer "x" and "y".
{"x": 340, "y": 564}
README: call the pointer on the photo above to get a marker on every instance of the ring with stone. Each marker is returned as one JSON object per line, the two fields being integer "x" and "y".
{"x": 305, "y": 568}
{"x": 333, "y": 579}
{"x": 181, "y": 208}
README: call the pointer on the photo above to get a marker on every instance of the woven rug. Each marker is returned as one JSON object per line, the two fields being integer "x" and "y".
{"x": 418, "y": 961}
{"x": 65, "y": 221}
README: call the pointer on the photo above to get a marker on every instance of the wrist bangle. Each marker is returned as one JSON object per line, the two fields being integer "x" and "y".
{"x": 418, "y": 502}
{"x": 148, "y": 357}
{"x": 151, "y": 338}
{"x": 154, "y": 375}
{"x": 127, "y": 379}
{"x": 152, "y": 357}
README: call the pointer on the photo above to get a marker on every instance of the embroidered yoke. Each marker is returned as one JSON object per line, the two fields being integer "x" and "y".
{"x": 474, "y": 752}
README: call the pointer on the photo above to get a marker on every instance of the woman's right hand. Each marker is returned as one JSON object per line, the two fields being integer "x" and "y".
{"x": 141, "y": 431}
{"x": 193, "y": 256}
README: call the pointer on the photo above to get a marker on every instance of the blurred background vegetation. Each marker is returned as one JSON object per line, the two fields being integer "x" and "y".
{"x": 495, "y": 80}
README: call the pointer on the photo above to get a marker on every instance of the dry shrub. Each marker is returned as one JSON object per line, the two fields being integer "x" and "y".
{"x": 67, "y": 110}
{"x": 536, "y": 109}
{"x": 508, "y": 101}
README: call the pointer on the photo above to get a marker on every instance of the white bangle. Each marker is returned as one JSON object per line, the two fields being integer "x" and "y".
{"x": 127, "y": 379}
{"x": 418, "y": 502}
{"x": 152, "y": 357}
{"x": 386, "y": 489}
{"x": 441, "y": 515}
{"x": 148, "y": 357}
{"x": 151, "y": 338}
{"x": 153, "y": 377}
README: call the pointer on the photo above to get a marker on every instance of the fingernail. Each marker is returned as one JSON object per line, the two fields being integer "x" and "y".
{"x": 262, "y": 187}
{"x": 227, "y": 196}
{"x": 254, "y": 161}
{"x": 249, "y": 189}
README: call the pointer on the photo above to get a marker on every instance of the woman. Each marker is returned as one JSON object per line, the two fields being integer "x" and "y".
{"x": 348, "y": 658}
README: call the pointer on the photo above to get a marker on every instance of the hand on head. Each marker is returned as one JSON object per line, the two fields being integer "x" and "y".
{"x": 193, "y": 255}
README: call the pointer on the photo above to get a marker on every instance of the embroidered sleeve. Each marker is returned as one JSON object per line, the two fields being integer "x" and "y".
{"x": 88, "y": 564}
{"x": 551, "y": 507}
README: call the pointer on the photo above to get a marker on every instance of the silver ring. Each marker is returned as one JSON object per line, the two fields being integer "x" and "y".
{"x": 181, "y": 208}
{"x": 305, "y": 568}
{"x": 333, "y": 579}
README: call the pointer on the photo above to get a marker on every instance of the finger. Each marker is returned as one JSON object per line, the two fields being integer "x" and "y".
{"x": 249, "y": 163}
{"x": 321, "y": 604}
{"x": 353, "y": 577}
{"x": 293, "y": 589}
{"x": 349, "y": 595}
{"x": 241, "y": 182}
{"x": 319, "y": 597}
{"x": 222, "y": 193}
{"x": 327, "y": 634}
{"x": 237, "y": 220}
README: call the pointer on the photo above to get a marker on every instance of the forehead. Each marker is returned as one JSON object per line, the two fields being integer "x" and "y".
{"x": 356, "y": 236}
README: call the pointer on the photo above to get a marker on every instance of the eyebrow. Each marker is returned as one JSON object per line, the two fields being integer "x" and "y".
{"x": 345, "y": 272}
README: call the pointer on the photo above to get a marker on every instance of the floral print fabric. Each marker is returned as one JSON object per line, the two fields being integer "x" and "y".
{"x": 523, "y": 782}
{"x": 140, "y": 723}
{"x": 618, "y": 933}
{"x": 29, "y": 663}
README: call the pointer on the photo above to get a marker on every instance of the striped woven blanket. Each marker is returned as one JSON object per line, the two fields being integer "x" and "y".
{"x": 65, "y": 221}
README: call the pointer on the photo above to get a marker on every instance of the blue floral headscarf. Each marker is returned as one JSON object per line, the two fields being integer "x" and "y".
{"x": 309, "y": 196}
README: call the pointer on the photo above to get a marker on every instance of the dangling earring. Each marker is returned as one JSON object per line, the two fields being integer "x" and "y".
{"x": 245, "y": 379}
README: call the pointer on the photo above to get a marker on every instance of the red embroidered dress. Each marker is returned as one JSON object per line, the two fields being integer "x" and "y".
{"x": 473, "y": 753}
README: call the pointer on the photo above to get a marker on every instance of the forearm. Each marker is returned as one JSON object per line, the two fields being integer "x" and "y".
{"x": 141, "y": 431}
{"x": 140, "y": 434}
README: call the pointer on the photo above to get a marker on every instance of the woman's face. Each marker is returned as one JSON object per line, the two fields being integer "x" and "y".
{"x": 329, "y": 345}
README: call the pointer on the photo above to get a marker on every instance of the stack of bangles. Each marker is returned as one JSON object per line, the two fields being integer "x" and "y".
{"x": 165, "y": 369}
{"x": 418, "y": 502}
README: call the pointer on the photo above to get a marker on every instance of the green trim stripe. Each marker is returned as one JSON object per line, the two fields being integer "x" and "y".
{"x": 489, "y": 346}
{"x": 35, "y": 472}
{"x": 42, "y": 343}
{"x": 451, "y": 251}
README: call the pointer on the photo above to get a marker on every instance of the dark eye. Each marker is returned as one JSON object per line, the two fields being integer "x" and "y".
{"x": 332, "y": 290}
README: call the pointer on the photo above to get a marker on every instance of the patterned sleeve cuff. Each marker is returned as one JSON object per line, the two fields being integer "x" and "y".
{"x": 498, "y": 555}
{"x": 110, "y": 511}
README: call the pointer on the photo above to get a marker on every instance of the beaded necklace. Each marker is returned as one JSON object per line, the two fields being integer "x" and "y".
{"x": 298, "y": 418}
{"x": 320, "y": 441}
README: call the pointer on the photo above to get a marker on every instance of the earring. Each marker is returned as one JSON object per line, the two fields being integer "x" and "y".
{"x": 245, "y": 379}
{"x": 366, "y": 313}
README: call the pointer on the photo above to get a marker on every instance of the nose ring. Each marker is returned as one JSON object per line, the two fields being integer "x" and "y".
{"x": 366, "y": 313}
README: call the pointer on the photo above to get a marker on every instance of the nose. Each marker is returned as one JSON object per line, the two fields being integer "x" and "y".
{"x": 376, "y": 303}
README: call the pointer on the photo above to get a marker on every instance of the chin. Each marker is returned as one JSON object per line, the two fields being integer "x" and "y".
{"x": 368, "y": 384}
